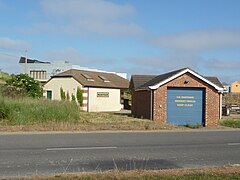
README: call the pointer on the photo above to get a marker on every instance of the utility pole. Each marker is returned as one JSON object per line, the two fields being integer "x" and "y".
{"x": 26, "y": 61}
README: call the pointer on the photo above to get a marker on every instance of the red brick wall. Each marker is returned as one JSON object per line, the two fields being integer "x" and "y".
{"x": 212, "y": 101}
{"x": 141, "y": 104}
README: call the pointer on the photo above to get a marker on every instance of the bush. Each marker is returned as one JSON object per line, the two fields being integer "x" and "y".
{"x": 80, "y": 96}
{"x": 73, "y": 98}
{"x": 22, "y": 85}
{"x": 62, "y": 94}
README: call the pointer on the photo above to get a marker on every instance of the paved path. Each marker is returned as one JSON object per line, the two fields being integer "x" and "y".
{"x": 45, "y": 154}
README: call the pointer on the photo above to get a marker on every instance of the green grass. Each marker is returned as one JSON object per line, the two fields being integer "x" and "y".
{"x": 28, "y": 111}
{"x": 26, "y": 114}
{"x": 4, "y": 76}
{"x": 234, "y": 123}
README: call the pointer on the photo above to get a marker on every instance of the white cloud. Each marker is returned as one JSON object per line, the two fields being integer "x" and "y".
{"x": 72, "y": 55}
{"x": 9, "y": 63}
{"x": 10, "y": 44}
{"x": 223, "y": 64}
{"x": 225, "y": 70}
{"x": 81, "y": 17}
{"x": 200, "y": 40}
{"x": 168, "y": 62}
{"x": 95, "y": 9}
{"x": 10, "y": 52}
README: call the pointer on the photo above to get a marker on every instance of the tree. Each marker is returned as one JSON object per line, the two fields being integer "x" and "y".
{"x": 62, "y": 94}
{"x": 73, "y": 98}
{"x": 23, "y": 85}
{"x": 79, "y": 96}
{"x": 68, "y": 97}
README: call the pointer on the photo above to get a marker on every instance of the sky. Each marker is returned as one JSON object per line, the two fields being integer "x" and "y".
{"x": 131, "y": 36}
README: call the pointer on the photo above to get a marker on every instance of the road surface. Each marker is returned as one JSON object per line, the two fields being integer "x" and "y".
{"x": 49, "y": 154}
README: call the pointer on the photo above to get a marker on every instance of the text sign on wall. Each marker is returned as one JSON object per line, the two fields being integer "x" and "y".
{"x": 187, "y": 101}
{"x": 102, "y": 94}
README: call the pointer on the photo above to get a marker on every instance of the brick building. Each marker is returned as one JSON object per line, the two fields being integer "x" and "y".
{"x": 179, "y": 97}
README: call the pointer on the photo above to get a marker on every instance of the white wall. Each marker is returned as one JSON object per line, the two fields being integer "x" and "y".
{"x": 111, "y": 103}
{"x": 68, "y": 84}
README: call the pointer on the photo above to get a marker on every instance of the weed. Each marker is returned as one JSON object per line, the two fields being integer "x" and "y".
{"x": 234, "y": 123}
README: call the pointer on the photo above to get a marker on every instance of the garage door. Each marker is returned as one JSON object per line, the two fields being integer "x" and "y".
{"x": 185, "y": 106}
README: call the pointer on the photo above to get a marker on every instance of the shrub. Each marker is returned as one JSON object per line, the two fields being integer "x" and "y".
{"x": 68, "y": 97}
{"x": 62, "y": 94}
{"x": 80, "y": 96}
{"x": 23, "y": 85}
{"x": 73, "y": 98}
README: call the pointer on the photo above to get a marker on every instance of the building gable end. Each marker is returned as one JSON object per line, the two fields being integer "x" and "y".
{"x": 156, "y": 86}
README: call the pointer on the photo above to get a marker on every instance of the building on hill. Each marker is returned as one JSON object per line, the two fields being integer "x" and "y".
{"x": 101, "y": 91}
{"x": 42, "y": 71}
{"x": 235, "y": 87}
{"x": 181, "y": 97}
{"x": 226, "y": 87}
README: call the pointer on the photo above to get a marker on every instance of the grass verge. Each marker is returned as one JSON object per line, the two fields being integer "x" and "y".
{"x": 26, "y": 114}
{"x": 233, "y": 123}
{"x": 86, "y": 122}
{"x": 27, "y": 111}
{"x": 219, "y": 173}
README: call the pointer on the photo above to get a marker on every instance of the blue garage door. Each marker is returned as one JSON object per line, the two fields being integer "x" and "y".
{"x": 185, "y": 106}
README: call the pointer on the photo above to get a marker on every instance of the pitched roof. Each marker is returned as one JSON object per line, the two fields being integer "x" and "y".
{"x": 95, "y": 79}
{"x": 23, "y": 59}
{"x": 138, "y": 80}
{"x": 157, "y": 81}
{"x": 160, "y": 78}
{"x": 215, "y": 80}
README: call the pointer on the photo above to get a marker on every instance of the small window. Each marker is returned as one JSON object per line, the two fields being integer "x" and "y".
{"x": 103, "y": 78}
{"x": 89, "y": 78}
{"x": 49, "y": 95}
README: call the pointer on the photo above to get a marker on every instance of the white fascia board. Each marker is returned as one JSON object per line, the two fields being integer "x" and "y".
{"x": 156, "y": 86}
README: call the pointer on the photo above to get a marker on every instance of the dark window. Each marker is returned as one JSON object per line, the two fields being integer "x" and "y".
{"x": 49, "y": 95}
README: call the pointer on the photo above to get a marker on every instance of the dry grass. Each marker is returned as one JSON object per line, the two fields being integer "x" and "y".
{"x": 92, "y": 122}
{"x": 220, "y": 173}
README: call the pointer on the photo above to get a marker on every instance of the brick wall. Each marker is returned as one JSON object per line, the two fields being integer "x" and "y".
{"x": 212, "y": 101}
{"x": 141, "y": 104}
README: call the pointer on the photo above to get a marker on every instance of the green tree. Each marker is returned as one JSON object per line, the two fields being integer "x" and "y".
{"x": 68, "y": 97}
{"x": 73, "y": 98}
{"x": 79, "y": 96}
{"x": 23, "y": 85}
{"x": 62, "y": 94}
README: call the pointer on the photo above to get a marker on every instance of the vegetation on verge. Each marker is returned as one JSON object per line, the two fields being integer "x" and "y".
{"x": 220, "y": 173}
{"x": 28, "y": 111}
{"x": 233, "y": 123}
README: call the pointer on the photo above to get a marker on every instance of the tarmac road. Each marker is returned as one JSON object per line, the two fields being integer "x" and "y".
{"x": 49, "y": 154}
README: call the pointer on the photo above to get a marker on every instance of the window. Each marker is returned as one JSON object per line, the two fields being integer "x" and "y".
{"x": 103, "y": 79}
{"x": 89, "y": 78}
{"x": 49, "y": 95}
{"x": 38, "y": 74}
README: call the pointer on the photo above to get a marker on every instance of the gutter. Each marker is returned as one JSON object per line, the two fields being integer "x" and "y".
{"x": 151, "y": 105}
